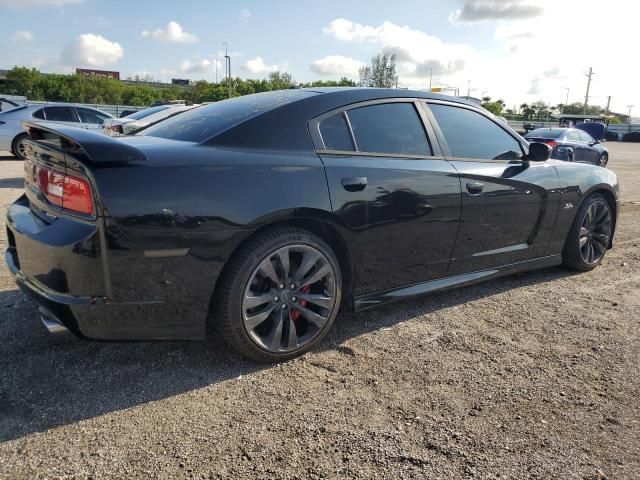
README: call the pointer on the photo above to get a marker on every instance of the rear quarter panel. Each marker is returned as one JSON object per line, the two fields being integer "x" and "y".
{"x": 200, "y": 198}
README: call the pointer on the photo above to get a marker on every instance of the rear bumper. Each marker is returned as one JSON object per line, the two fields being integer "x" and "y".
{"x": 60, "y": 265}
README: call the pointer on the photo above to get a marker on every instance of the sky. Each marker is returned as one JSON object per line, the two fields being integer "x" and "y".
{"x": 515, "y": 50}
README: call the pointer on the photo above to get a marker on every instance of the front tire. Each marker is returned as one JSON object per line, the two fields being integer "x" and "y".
{"x": 603, "y": 160}
{"x": 279, "y": 295}
{"x": 18, "y": 147}
{"x": 590, "y": 235}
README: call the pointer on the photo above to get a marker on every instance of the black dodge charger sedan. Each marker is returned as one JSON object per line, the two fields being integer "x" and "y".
{"x": 260, "y": 216}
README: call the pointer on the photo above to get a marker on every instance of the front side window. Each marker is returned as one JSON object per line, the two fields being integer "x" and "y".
{"x": 573, "y": 136}
{"x": 585, "y": 137}
{"x": 335, "y": 133}
{"x": 60, "y": 114}
{"x": 472, "y": 135}
{"x": 393, "y": 128}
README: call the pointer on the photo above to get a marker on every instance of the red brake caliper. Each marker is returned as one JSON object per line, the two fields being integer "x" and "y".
{"x": 295, "y": 313}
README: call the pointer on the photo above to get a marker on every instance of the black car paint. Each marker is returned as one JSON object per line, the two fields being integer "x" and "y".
{"x": 171, "y": 213}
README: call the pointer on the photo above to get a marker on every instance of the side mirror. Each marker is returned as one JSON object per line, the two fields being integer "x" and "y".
{"x": 539, "y": 152}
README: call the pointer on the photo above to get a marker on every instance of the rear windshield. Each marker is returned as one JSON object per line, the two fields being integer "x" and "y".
{"x": 146, "y": 112}
{"x": 205, "y": 122}
{"x": 545, "y": 133}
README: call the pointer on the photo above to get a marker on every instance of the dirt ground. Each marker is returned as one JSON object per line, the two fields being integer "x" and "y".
{"x": 531, "y": 376}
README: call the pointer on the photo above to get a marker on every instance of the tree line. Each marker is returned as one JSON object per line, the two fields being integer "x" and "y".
{"x": 29, "y": 82}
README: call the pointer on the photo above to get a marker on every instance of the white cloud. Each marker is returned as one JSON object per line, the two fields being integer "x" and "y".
{"x": 258, "y": 66}
{"x": 22, "y": 36}
{"x": 204, "y": 66}
{"x": 245, "y": 13}
{"x": 24, "y": 4}
{"x": 417, "y": 53}
{"x": 91, "y": 50}
{"x": 474, "y": 11}
{"x": 336, "y": 65}
{"x": 172, "y": 33}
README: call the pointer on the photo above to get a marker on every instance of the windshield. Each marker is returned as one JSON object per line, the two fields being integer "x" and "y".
{"x": 147, "y": 112}
{"x": 205, "y": 122}
{"x": 545, "y": 133}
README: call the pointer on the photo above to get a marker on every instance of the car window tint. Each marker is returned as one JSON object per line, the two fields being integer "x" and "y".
{"x": 206, "y": 122}
{"x": 573, "y": 136}
{"x": 90, "y": 116}
{"x": 544, "y": 133}
{"x": 585, "y": 137}
{"x": 472, "y": 135}
{"x": 38, "y": 114}
{"x": 60, "y": 114}
{"x": 389, "y": 128}
{"x": 335, "y": 133}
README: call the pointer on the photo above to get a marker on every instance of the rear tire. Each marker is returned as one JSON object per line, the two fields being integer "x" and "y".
{"x": 590, "y": 234}
{"x": 17, "y": 147}
{"x": 278, "y": 295}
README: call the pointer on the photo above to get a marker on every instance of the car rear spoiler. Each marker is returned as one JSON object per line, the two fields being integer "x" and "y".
{"x": 77, "y": 142}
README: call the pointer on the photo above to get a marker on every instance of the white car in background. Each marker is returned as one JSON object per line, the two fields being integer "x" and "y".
{"x": 126, "y": 125}
{"x": 12, "y": 133}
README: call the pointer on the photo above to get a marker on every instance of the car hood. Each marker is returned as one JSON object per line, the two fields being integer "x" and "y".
{"x": 595, "y": 129}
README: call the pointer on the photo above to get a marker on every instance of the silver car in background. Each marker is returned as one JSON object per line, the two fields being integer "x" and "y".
{"x": 12, "y": 133}
{"x": 136, "y": 121}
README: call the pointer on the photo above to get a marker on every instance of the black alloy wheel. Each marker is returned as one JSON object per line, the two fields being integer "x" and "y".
{"x": 590, "y": 235}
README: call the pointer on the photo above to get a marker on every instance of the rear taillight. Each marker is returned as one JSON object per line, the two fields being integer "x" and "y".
{"x": 551, "y": 143}
{"x": 66, "y": 191}
{"x": 117, "y": 129}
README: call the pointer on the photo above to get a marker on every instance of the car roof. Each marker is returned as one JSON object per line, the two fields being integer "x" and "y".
{"x": 279, "y": 118}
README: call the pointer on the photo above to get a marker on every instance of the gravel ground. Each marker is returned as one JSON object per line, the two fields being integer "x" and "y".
{"x": 531, "y": 376}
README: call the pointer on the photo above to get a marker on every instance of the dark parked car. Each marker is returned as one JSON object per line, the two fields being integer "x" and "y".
{"x": 263, "y": 214}
{"x": 571, "y": 144}
{"x": 631, "y": 137}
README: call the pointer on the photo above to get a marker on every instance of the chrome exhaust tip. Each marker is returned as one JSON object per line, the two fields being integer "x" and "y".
{"x": 50, "y": 321}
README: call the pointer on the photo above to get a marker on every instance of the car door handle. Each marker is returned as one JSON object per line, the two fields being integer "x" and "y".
{"x": 354, "y": 184}
{"x": 475, "y": 188}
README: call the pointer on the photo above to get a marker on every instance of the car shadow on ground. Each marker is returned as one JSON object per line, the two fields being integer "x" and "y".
{"x": 17, "y": 182}
{"x": 54, "y": 380}
{"x": 8, "y": 156}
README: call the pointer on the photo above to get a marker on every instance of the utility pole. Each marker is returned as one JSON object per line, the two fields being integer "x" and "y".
{"x": 430, "y": 78}
{"x": 566, "y": 100}
{"x": 586, "y": 97}
{"x": 216, "y": 68}
{"x": 606, "y": 112}
{"x": 468, "y": 89}
{"x": 630, "y": 107}
{"x": 227, "y": 66}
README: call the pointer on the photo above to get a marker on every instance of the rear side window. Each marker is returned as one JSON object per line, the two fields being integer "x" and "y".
{"x": 203, "y": 123}
{"x": 60, "y": 114}
{"x": 471, "y": 135}
{"x": 146, "y": 112}
{"x": 335, "y": 133}
{"x": 38, "y": 114}
{"x": 545, "y": 133}
{"x": 389, "y": 128}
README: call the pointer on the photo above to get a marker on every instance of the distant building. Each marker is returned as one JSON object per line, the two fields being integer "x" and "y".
{"x": 180, "y": 81}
